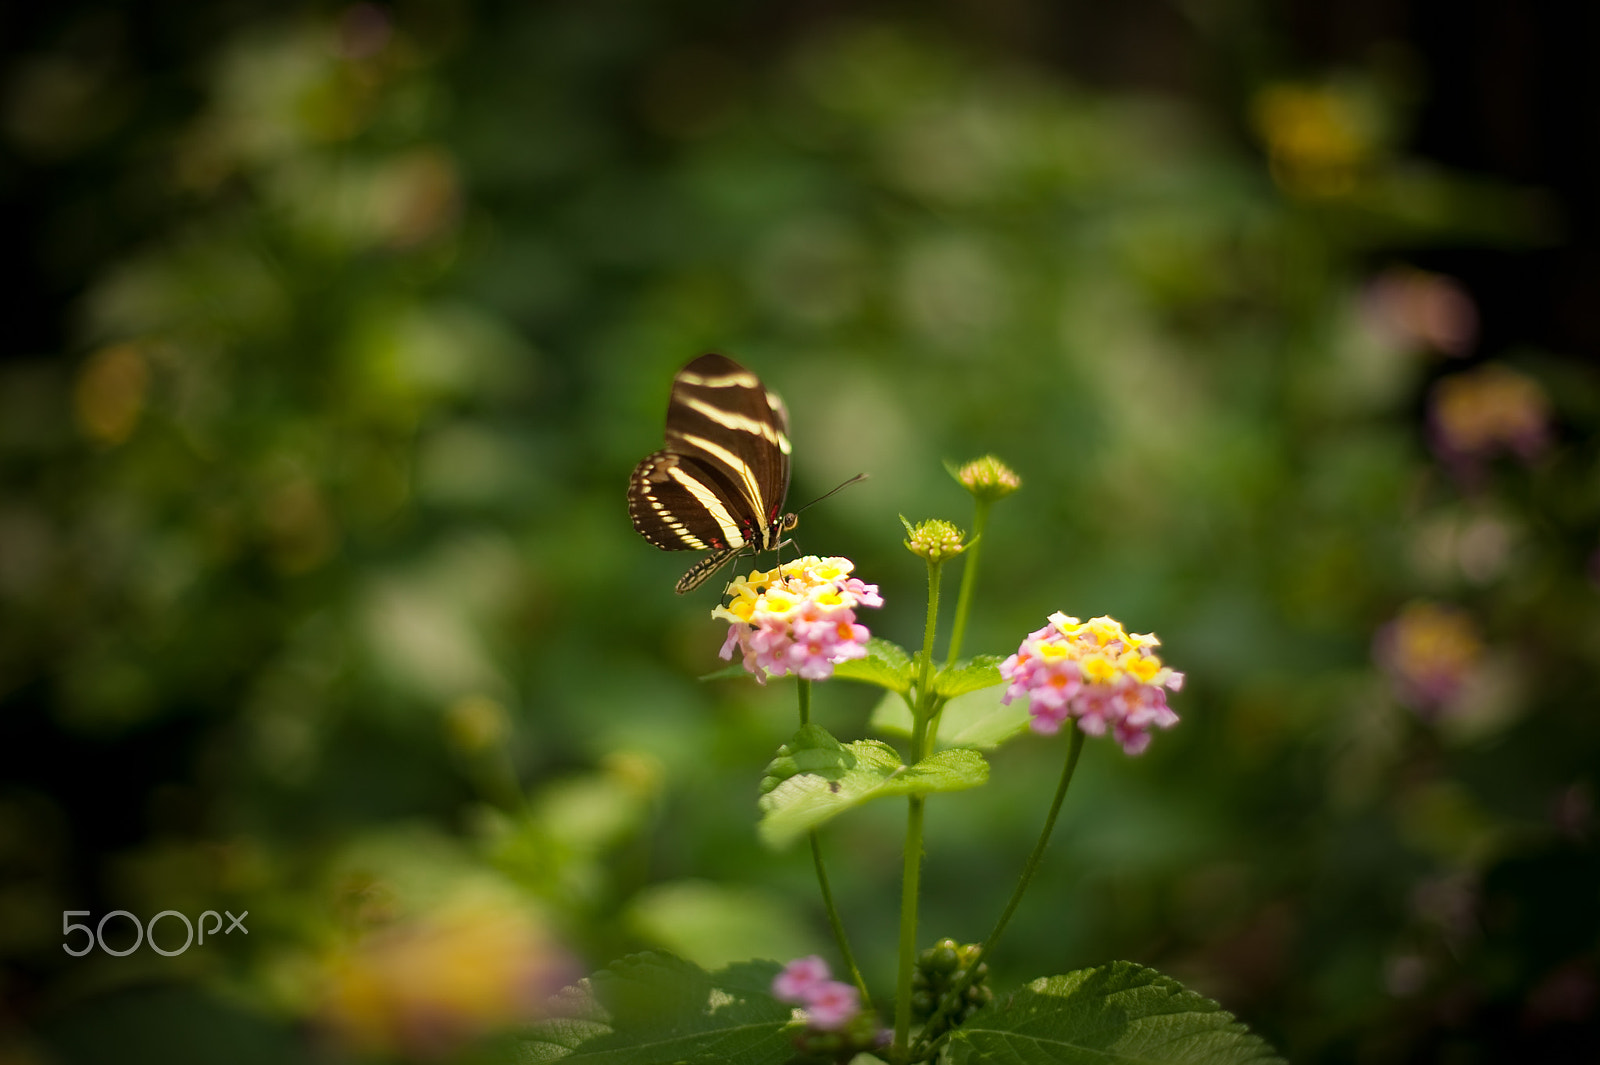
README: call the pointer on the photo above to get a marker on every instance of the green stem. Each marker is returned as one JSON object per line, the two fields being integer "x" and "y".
{"x": 958, "y": 989}
{"x": 835, "y": 922}
{"x": 909, "y": 886}
{"x": 969, "y": 571}
{"x": 803, "y": 688}
{"x": 910, "y": 882}
{"x": 1074, "y": 749}
{"x": 929, "y": 628}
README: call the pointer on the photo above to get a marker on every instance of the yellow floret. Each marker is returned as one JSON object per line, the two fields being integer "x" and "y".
{"x": 1065, "y": 624}
{"x": 1106, "y": 629}
{"x": 1098, "y": 670}
{"x": 1143, "y": 667}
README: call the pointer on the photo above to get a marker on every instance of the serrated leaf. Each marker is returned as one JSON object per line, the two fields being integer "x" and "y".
{"x": 808, "y": 800}
{"x": 968, "y": 675}
{"x": 1119, "y": 1013}
{"x": 887, "y": 665}
{"x": 976, "y": 719}
{"x": 646, "y": 1009}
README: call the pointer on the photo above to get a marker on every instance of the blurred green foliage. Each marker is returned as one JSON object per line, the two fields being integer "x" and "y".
{"x": 321, "y": 602}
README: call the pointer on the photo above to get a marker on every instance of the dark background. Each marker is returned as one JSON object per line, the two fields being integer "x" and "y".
{"x": 200, "y": 707}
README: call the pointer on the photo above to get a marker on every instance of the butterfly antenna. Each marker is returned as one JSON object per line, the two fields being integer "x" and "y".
{"x": 831, "y": 491}
{"x": 814, "y": 502}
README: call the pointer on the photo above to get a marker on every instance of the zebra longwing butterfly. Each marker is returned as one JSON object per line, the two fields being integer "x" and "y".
{"x": 720, "y": 482}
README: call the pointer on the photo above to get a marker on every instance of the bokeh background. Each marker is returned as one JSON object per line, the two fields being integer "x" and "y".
{"x": 332, "y": 333}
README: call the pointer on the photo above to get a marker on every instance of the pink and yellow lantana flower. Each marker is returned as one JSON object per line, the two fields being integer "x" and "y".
{"x": 798, "y": 618}
{"x": 1096, "y": 672}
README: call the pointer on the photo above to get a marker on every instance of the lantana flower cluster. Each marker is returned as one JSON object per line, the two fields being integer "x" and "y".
{"x": 797, "y": 618}
{"x": 1096, "y": 672}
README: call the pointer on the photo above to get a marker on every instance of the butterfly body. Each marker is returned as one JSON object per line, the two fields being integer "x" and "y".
{"x": 720, "y": 482}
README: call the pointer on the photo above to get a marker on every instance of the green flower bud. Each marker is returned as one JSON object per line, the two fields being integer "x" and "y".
{"x": 934, "y": 539}
{"x": 988, "y": 478}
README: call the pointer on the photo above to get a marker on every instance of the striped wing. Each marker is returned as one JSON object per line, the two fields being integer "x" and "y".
{"x": 719, "y": 483}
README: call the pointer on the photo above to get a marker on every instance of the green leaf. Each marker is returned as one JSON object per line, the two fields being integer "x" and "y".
{"x": 812, "y": 749}
{"x": 870, "y": 769}
{"x": 733, "y": 672}
{"x": 976, "y": 719}
{"x": 713, "y": 923}
{"x": 968, "y": 675}
{"x": 650, "y": 1008}
{"x": 1119, "y": 1013}
{"x": 891, "y": 716}
{"x": 887, "y": 665}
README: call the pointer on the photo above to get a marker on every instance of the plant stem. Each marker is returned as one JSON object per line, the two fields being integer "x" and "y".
{"x": 1074, "y": 749}
{"x": 969, "y": 570}
{"x": 909, "y": 886}
{"x": 958, "y": 989}
{"x": 803, "y": 687}
{"x": 929, "y": 627}
{"x": 836, "y": 923}
{"x": 910, "y": 882}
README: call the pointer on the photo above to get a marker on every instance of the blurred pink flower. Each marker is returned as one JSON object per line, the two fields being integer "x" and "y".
{"x": 799, "y": 978}
{"x": 1429, "y": 652}
{"x": 833, "y": 1005}
{"x": 829, "y": 1004}
{"x": 1419, "y": 310}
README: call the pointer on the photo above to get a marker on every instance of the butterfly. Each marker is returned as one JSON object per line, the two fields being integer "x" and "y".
{"x": 720, "y": 482}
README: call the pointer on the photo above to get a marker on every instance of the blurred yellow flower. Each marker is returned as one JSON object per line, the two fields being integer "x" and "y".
{"x": 1317, "y": 139}
{"x": 1493, "y": 408}
{"x": 477, "y": 723}
{"x": 424, "y": 985}
{"x": 109, "y": 394}
{"x": 1430, "y": 652}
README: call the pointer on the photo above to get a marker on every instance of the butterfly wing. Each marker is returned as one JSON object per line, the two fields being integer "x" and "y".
{"x": 720, "y": 482}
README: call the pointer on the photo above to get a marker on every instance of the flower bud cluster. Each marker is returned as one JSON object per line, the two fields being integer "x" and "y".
{"x": 988, "y": 478}
{"x": 1096, "y": 672}
{"x": 798, "y": 618}
{"x": 934, "y": 539}
{"x": 939, "y": 969}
